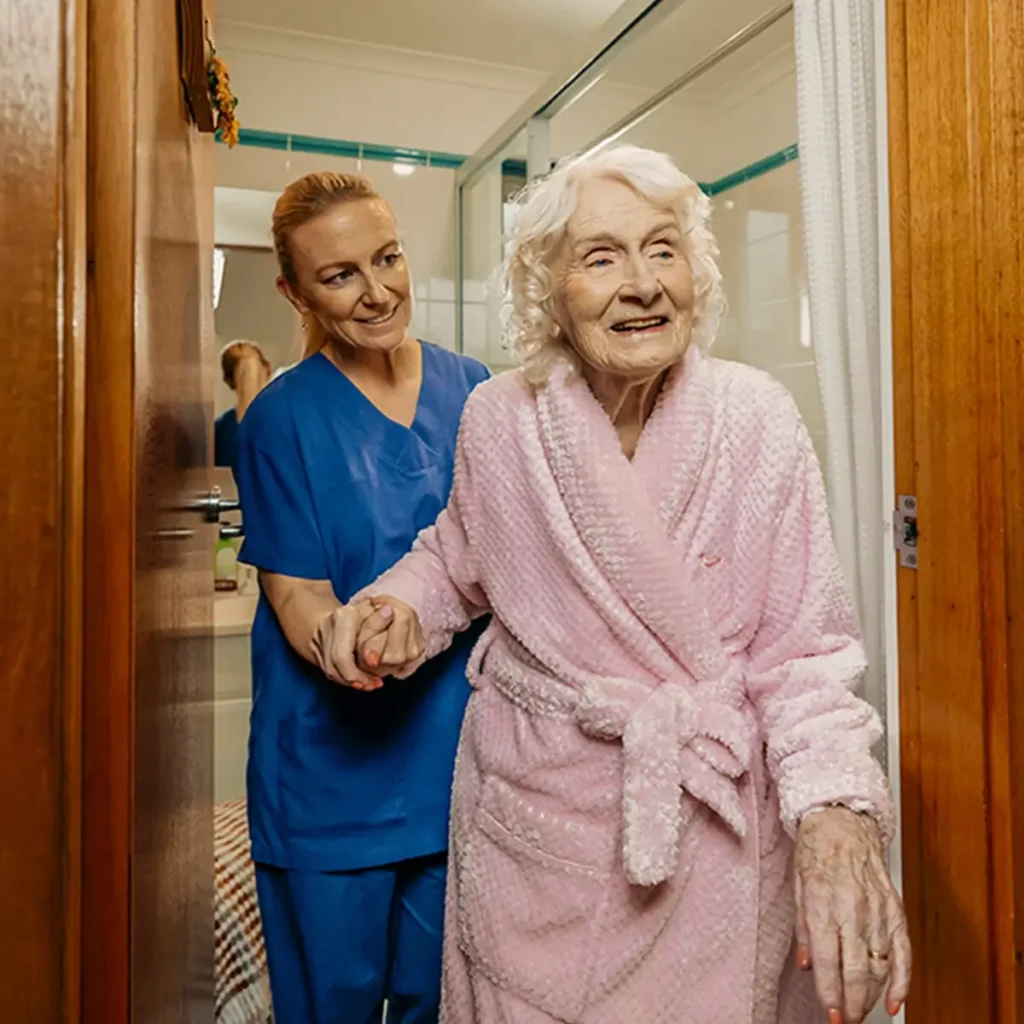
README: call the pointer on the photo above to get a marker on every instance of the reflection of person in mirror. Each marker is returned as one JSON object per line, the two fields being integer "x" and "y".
{"x": 246, "y": 370}
{"x": 342, "y": 459}
{"x": 666, "y": 806}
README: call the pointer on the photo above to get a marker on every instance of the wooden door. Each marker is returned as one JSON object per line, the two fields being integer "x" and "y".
{"x": 42, "y": 266}
{"x": 956, "y": 111}
{"x": 148, "y": 736}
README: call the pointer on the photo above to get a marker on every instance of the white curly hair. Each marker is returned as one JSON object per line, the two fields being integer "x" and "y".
{"x": 545, "y": 207}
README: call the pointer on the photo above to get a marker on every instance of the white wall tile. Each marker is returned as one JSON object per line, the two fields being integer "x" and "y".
{"x": 441, "y": 326}
{"x": 230, "y": 743}
{"x": 442, "y": 289}
{"x": 231, "y": 669}
{"x": 759, "y": 228}
{"x": 474, "y": 330}
{"x": 769, "y": 275}
{"x": 802, "y": 383}
{"x": 766, "y": 224}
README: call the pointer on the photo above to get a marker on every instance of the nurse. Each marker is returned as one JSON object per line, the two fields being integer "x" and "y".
{"x": 341, "y": 461}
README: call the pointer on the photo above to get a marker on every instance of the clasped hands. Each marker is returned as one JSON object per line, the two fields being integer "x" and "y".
{"x": 358, "y": 644}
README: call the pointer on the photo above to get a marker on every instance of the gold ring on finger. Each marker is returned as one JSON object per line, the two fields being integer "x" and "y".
{"x": 878, "y": 956}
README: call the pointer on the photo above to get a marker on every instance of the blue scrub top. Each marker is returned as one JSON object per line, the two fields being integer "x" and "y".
{"x": 225, "y": 438}
{"x": 331, "y": 488}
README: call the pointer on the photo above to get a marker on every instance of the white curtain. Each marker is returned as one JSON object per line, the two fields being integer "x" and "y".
{"x": 835, "y": 71}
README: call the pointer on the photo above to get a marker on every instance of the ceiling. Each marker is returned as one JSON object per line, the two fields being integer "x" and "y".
{"x": 518, "y": 33}
{"x": 531, "y": 34}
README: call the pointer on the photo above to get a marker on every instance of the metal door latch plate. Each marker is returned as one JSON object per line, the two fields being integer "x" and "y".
{"x": 905, "y": 530}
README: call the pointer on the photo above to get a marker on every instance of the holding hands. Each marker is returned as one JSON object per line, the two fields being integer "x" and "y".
{"x": 358, "y": 644}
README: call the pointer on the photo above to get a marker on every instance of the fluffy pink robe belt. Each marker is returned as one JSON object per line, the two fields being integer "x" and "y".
{"x": 670, "y": 737}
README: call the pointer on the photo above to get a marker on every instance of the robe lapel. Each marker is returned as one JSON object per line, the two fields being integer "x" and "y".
{"x": 623, "y": 511}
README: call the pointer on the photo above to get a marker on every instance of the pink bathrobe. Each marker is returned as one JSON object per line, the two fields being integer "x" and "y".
{"x": 664, "y": 690}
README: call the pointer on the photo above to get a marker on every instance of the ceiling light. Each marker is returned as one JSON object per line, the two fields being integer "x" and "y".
{"x": 404, "y": 170}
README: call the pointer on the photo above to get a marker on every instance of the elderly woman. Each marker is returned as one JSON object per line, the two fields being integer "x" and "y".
{"x": 665, "y": 803}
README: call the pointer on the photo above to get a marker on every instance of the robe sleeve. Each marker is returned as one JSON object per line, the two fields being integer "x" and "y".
{"x": 806, "y": 662}
{"x": 438, "y": 577}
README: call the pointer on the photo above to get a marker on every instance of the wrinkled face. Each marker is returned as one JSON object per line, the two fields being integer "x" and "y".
{"x": 624, "y": 288}
{"x": 351, "y": 274}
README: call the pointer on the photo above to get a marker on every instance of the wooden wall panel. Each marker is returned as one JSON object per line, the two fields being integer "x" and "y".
{"x": 1001, "y": 186}
{"x": 109, "y": 513}
{"x": 41, "y": 265}
{"x": 105, "y": 635}
{"x": 956, "y": 106}
{"x": 74, "y": 261}
{"x": 172, "y": 843}
{"x": 148, "y": 843}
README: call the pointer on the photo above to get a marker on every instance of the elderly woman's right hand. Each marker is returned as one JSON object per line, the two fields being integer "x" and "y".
{"x": 334, "y": 645}
{"x": 391, "y": 639}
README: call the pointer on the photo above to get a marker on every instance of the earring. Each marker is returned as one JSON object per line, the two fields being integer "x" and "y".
{"x": 304, "y": 326}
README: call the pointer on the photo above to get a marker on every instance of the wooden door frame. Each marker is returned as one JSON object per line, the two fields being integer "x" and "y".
{"x": 955, "y": 109}
{"x": 42, "y": 252}
{"x": 128, "y": 122}
{"x": 956, "y": 158}
{"x": 109, "y": 519}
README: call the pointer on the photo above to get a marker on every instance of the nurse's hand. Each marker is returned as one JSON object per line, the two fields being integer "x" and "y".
{"x": 391, "y": 640}
{"x": 334, "y": 645}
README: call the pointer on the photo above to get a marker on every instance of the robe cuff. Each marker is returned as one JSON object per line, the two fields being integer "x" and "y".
{"x": 834, "y": 779}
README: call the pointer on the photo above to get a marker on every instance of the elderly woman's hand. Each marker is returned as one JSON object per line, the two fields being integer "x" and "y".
{"x": 391, "y": 639}
{"x": 850, "y": 923}
{"x": 334, "y": 645}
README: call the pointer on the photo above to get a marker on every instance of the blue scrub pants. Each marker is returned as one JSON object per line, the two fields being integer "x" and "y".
{"x": 339, "y": 945}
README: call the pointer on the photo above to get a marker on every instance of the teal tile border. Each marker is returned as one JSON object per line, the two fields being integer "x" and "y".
{"x": 450, "y": 161}
{"x": 344, "y": 148}
{"x": 364, "y": 150}
{"x": 752, "y": 171}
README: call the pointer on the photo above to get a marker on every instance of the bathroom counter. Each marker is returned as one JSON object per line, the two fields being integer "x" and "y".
{"x": 232, "y": 691}
{"x": 233, "y": 614}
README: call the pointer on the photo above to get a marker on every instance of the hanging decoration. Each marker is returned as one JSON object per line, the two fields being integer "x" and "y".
{"x": 223, "y": 99}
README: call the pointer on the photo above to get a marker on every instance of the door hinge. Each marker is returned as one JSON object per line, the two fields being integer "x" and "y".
{"x": 905, "y": 530}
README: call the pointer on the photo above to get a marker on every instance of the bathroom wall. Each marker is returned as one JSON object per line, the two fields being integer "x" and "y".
{"x": 251, "y": 309}
{"x": 424, "y": 201}
{"x": 232, "y": 681}
{"x": 302, "y": 84}
{"x": 748, "y": 108}
{"x": 232, "y": 694}
{"x": 736, "y": 115}
{"x": 739, "y": 112}
{"x": 759, "y": 226}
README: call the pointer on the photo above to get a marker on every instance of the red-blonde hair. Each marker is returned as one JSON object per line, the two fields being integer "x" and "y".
{"x": 309, "y": 197}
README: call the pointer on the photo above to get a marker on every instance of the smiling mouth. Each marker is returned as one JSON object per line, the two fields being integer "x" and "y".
{"x": 641, "y": 325}
{"x": 376, "y": 321}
